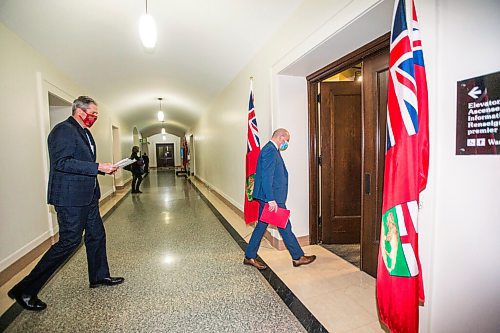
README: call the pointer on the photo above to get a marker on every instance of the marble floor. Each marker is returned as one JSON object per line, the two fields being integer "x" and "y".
{"x": 183, "y": 273}
{"x": 337, "y": 293}
{"x": 106, "y": 209}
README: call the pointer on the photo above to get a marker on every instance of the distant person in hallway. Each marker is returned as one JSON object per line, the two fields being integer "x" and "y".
{"x": 137, "y": 169}
{"x": 145, "y": 158}
{"x": 74, "y": 191}
{"x": 271, "y": 186}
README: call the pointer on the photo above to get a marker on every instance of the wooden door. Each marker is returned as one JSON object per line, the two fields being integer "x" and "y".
{"x": 375, "y": 79}
{"x": 165, "y": 155}
{"x": 340, "y": 150}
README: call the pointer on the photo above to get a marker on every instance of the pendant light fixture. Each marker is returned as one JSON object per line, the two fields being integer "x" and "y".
{"x": 161, "y": 115}
{"x": 147, "y": 30}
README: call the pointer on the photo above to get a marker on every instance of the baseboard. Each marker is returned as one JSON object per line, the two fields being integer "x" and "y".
{"x": 214, "y": 189}
{"x": 106, "y": 198}
{"x": 26, "y": 259}
{"x": 235, "y": 209}
{"x": 275, "y": 242}
{"x": 122, "y": 186}
{"x": 10, "y": 271}
{"x": 278, "y": 243}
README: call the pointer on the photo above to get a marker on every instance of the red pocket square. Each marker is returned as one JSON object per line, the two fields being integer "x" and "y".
{"x": 279, "y": 218}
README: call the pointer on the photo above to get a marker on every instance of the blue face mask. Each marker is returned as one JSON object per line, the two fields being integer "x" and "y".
{"x": 284, "y": 145}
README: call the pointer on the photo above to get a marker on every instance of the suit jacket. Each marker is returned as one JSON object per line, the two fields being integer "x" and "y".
{"x": 271, "y": 177}
{"x": 73, "y": 167}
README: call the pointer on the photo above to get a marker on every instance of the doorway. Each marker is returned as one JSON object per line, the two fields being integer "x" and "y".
{"x": 347, "y": 117}
{"x": 165, "y": 155}
{"x": 340, "y": 150}
{"x": 191, "y": 155}
{"x": 59, "y": 110}
{"x": 117, "y": 155}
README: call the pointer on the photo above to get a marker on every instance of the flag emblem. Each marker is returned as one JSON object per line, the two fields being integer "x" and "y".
{"x": 249, "y": 186}
{"x": 397, "y": 252}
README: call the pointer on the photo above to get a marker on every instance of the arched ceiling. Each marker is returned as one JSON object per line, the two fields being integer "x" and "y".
{"x": 201, "y": 47}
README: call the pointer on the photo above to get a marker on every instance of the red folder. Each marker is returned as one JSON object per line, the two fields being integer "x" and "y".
{"x": 279, "y": 218}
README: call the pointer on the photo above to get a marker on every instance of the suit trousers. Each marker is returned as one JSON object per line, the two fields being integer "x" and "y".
{"x": 72, "y": 222}
{"x": 286, "y": 233}
{"x": 136, "y": 181}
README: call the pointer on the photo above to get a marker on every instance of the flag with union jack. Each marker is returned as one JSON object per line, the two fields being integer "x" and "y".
{"x": 251, "y": 208}
{"x": 399, "y": 274}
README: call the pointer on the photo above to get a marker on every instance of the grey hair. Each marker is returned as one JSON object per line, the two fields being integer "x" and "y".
{"x": 82, "y": 102}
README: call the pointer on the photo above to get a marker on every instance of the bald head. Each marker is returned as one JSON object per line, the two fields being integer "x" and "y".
{"x": 279, "y": 132}
{"x": 280, "y": 136}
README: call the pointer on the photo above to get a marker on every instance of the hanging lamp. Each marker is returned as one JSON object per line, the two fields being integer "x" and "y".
{"x": 160, "y": 114}
{"x": 147, "y": 30}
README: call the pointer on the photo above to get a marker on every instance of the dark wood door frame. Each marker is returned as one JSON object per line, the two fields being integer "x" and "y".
{"x": 159, "y": 160}
{"x": 378, "y": 45}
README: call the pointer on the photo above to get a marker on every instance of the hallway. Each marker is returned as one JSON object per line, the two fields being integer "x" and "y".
{"x": 183, "y": 273}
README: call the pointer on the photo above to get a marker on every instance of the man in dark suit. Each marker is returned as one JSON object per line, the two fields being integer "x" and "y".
{"x": 145, "y": 158}
{"x": 74, "y": 191}
{"x": 271, "y": 186}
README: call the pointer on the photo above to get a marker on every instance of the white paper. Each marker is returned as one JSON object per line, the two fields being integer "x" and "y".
{"x": 124, "y": 162}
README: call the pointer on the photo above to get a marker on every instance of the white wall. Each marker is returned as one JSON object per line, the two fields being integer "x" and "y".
{"x": 123, "y": 149}
{"x": 169, "y": 138}
{"x": 26, "y": 77}
{"x": 459, "y": 221}
{"x": 220, "y": 135}
{"x": 292, "y": 114}
{"x": 461, "y": 40}
{"x": 58, "y": 114}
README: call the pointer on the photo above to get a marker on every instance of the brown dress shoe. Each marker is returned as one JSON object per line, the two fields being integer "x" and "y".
{"x": 255, "y": 263}
{"x": 304, "y": 260}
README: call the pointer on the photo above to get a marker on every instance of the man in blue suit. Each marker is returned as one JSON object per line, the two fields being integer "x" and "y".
{"x": 271, "y": 186}
{"x": 74, "y": 191}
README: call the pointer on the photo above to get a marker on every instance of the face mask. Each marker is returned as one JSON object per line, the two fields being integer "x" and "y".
{"x": 284, "y": 145}
{"x": 89, "y": 119}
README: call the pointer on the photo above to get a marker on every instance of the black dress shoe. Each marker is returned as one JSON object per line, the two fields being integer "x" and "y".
{"x": 109, "y": 281}
{"x": 32, "y": 303}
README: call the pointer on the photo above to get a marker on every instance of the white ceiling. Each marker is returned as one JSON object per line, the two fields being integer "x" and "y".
{"x": 202, "y": 45}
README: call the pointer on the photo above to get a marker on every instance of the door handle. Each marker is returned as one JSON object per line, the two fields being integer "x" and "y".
{"x": 367, "y": 183}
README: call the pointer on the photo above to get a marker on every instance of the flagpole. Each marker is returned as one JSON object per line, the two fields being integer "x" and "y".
{"x": 251, "y": 207}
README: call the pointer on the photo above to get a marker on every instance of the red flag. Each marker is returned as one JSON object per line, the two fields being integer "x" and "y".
{"x": 185, "y": 160}
{"x": 251, "y": 209}
{"x": 399, "y": 276}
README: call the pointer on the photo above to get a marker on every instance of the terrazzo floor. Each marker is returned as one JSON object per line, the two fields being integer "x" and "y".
{"x": 183, "y": 273}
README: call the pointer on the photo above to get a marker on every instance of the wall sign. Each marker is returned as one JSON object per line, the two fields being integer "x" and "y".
{"x": 478, "y": 115}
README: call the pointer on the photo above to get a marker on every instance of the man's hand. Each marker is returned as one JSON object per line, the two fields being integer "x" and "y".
{"x": 108, "y": 168}
{"x": 273, "y": 206}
